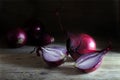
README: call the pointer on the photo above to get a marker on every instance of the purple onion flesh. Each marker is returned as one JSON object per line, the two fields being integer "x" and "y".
{"x": 90, "y": 62}
{"x": 53, "y": 56}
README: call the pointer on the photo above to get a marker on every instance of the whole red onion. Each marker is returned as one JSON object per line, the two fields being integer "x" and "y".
{"x": 34, "y": 32}
{"x": 37, "y": 34}
{"x": 16, "y": 37}
{"x": 78, "y": 44}
{"x": 45, "y": 39}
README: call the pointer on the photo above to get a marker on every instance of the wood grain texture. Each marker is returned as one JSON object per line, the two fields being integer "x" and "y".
{"x": 18, "y": 64}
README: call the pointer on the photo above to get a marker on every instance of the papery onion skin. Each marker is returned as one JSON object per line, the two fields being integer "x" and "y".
{"x": 16, "y": 37}
{"x": 45, "y": 39}
{"x": 82, "y": 43}
{"x": 74, "y": 56}
{"x": 79, "y": 44}
{"x": 38, "y": 37}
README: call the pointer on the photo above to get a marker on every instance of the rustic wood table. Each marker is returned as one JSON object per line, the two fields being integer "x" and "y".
{"x": 19, "y": 64}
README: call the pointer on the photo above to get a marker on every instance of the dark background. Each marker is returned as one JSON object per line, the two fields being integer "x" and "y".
{"x": 96, "y": 17}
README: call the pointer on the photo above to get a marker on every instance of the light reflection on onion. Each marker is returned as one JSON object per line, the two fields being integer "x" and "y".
{"x": 16, "y": 37}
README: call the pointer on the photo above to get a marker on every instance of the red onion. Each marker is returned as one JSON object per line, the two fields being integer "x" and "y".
{"x": 53, "y": 56}
{"x": 79, "y": 44}
{"x": 34, "y": 33}
{"x": 37, "y": 34}
{"x": 45, "y": 39}
{"x": 16, "y": 37}
{"x": 92, "y": 61}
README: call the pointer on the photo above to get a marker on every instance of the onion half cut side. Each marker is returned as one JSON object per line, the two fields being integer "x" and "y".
{"x": 91, "y": 62}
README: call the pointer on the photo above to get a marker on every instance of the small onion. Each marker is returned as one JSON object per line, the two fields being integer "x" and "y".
{"x": 16, "y": 37}
{"x": 45, "y": 39}
{"x": 37, "y": 34}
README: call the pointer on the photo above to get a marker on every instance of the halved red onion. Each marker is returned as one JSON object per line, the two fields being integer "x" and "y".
{"x": 53, "y": 56}
{"x": 58, "y": 47}
{"x": 91, "y": 62}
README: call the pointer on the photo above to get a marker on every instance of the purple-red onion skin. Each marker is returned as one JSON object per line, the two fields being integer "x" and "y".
{"x": 37, "y": 51}
{"x": 74, "y": 56}
{"x": 46, "y": 39}
{"x": 54, "y": 63}
{"x": 79, "y": 44}
{"x": 83, "y": 42}
{"x": 88, "y": 44}
{"x": 37, "y": 34}
{"x": 16, "y": 37}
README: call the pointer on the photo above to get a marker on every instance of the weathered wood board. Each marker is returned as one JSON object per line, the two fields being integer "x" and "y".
{"x": 19, "y": 64}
